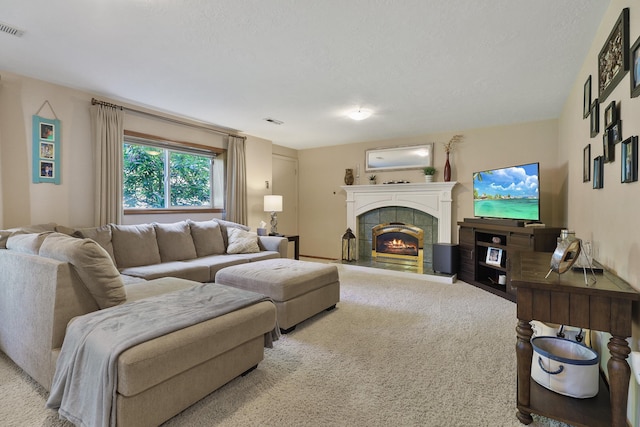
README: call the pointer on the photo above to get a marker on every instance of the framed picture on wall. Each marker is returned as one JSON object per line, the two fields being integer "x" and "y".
{"x": 610, "y": 115}
{"x": 586, "y": 163}
{"x": 597, "y": 172}
{"x": 615, "y": 132}
{"x": 613, "y": 59}
{"x": 629, "y": 163}
{"x": 635, "y": 68}
{"x": 607, "y": 146}
{"x": 595, "y": 118}
{"x": 586, "y": 98}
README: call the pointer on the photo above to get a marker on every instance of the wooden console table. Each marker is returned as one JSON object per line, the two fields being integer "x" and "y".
{"x": 566, "y": 299}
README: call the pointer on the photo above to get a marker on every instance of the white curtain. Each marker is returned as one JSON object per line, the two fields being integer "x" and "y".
{"x": 236, "y": 200}
{"x": 107, "y": 126}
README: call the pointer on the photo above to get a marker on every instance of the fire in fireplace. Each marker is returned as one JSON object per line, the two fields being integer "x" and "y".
{"x": 399, "y": 243}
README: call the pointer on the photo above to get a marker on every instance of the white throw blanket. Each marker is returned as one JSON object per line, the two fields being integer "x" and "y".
{"x": 84, "y": 385}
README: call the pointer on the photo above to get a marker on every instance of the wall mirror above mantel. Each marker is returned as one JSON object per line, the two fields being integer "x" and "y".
{"x": 399, "y": 158}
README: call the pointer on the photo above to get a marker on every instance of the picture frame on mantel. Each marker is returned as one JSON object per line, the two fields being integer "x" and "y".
{"x": 613, "y": 59}
{"x": 595, "y": 118}
{"x": 635, "y": 68}
{"x": 586, "y": 98}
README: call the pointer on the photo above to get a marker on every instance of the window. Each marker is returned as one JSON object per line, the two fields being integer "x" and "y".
{"x": 164, "y": 175}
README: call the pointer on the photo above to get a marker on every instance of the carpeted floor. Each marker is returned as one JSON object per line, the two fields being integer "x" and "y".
{"x": 398, "y": 351}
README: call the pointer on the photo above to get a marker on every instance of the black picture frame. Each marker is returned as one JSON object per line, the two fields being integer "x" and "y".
{"x": 610, "y": 115}
{"x": 586, "y": 98}
{"x": 608, "y": 148}
{"x": 595, "y": 118}
{"x": 613, "y": 59}
{"x": 586, "y": 163}
{"x": 598, "y": 172}
{"x": 615, "y": 132}
{"x": 629, "y": 160}
{"x": 634, "y": 55}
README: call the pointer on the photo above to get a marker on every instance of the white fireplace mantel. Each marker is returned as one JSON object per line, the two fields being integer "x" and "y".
{"x": 432, "y": 198}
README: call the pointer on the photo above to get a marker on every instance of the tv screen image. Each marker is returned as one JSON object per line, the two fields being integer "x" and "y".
{"x": 511, "y": 192}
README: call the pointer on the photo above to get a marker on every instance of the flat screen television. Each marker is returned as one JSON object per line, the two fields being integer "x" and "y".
{"x": 511, "y": 192}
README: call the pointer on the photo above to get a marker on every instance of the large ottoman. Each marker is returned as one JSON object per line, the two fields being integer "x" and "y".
{"x": 300, "y": 289}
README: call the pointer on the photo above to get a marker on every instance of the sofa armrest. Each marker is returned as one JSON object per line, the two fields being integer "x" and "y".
{"x": 274, "y": 243}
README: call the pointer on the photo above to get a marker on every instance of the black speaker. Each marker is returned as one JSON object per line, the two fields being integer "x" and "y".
{"x": 445, "y": 258}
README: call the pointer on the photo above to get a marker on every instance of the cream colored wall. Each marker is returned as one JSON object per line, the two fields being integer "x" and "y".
{"x": 71, "y": 202}
{"x": 24, "y": 202}
{"x": 323, "y": 202}
{"x": 607, "y": 217}
{"x": 259, "y": 168}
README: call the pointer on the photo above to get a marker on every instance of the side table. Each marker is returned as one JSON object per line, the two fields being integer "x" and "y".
{"x": 296, "y": 245}
{"x": 566, "y": 299}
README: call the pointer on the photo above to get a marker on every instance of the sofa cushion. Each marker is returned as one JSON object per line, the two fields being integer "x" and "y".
{"x": 224, "y": 225}
{"x": 28, "y": 243}
{"x": 174, "y": 241}
{"x": 36, "y": 228}
{"x": 102, "y": 236}
{"x": 92, "y": 263}
{"x": 207, "y": 237}
{"x": 180, "y": 269}
{"x": 241, "y": 242}
{"x": 135, "y": 245}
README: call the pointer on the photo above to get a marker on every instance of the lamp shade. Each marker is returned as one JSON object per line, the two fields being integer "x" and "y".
{"x": 273, "y": 203}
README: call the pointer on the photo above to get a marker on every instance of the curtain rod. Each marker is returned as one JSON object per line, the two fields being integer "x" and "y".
{"x": 167, "y": 119}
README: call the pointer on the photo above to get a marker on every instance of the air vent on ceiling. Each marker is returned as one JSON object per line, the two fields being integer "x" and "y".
{"x": 6, "y": 28}
{"x": 274, "y": 121}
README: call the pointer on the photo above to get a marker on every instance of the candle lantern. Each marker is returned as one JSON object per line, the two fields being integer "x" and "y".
{"x": 348, "y": 246}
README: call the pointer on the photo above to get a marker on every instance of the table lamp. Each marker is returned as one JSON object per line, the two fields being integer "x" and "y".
{"x": 273, "y": 204}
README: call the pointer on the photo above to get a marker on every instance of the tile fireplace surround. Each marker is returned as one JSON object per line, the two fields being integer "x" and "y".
{"x": 431, "y": 198}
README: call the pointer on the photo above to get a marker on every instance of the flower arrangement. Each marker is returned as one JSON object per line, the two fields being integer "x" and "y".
{"x": 448, "y": 146}
{"x": 372, "y": 177}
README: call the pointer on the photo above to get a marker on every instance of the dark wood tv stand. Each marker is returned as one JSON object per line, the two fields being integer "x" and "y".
{"x": 476, "y": 237}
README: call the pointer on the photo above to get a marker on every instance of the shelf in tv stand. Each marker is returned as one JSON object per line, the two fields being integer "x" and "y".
{"x": 476, "y": 237}
{"x": 495, "y": 267}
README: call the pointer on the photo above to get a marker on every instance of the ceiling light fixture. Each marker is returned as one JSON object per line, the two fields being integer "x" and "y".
{"x": 359, "y": 114}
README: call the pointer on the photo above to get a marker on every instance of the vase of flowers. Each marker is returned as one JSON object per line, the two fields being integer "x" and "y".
{"x": 372, "y": 179}
{"x": 448, "y": 147}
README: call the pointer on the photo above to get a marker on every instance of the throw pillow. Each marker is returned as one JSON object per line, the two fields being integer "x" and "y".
{"x": 135, "y": 245}
{"x": 37, "y": 228}
{"x": 224, "y": 225}
{"x": 101, "y": 235}
{"x": 207, "y": 237}
{"x": 175, "y": 242}
{"x": 92, "y": 263}
{"x": 241, "y": 241}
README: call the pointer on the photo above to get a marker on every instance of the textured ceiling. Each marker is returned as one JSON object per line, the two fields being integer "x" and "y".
{"x": 422, "y": 66}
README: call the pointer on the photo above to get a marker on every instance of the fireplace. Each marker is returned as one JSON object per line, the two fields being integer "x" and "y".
{"x": 398, "y": 243}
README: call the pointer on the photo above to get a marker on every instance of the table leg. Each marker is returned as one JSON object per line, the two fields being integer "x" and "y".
{"x": 619, "y": 373}
{"x": 524, "y": 352}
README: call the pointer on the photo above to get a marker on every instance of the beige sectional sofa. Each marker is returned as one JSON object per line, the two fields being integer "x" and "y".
{"x": 49, "y": 277}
